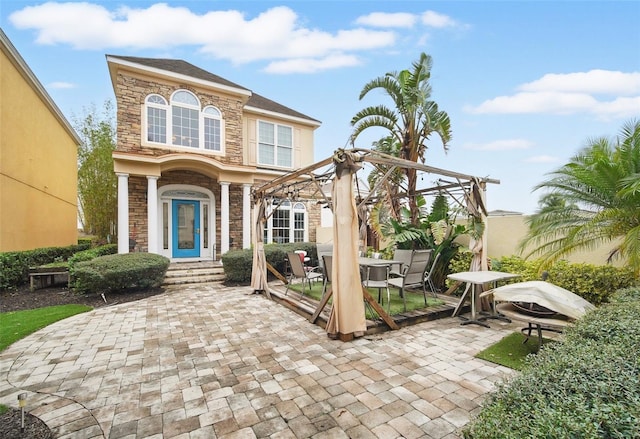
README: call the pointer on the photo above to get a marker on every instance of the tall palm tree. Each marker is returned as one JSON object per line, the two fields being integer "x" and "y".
{"x": 412, "y": 121}
{"x": 600, "y": 187}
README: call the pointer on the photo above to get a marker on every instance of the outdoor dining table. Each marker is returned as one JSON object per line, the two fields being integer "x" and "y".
{"x": 475, "y": 278}
{"x": 369, "y": 262}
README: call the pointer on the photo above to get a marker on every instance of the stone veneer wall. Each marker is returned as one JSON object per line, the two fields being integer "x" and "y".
{"x": 138, "y": 229}
{"x": 131, "y": 92}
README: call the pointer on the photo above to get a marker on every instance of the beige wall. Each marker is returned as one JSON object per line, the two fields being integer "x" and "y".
{"x": 38, "y": 167}
{"x": 505, "y": 233}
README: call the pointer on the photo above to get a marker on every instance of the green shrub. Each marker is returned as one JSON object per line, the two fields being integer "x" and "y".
{"x": 87, "y": 255}
{"x": 112, "y": 273}
{"x": 238, "y": 263}
{"x": 591, "y": 282}
{"x": 624, "y": 295}
{"x": 586, "y": 386}
{"x": 14, "y": 266}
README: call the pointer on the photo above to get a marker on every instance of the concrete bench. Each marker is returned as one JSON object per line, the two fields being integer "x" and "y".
{"x": 45, "y": 277}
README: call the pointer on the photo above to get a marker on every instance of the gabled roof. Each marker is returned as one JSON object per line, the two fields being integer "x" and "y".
{"x": 256, "y": 102}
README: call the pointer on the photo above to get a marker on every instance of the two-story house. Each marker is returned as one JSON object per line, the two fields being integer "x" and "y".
{"x": 190, "y": 146}
{"x": 38, "y": 161}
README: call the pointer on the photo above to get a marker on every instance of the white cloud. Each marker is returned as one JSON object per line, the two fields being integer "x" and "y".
{"x": 571, "y": 93}
{"x": 275, "y": 34}
{"x": 434, "y": 19}
{"x": 307, "y": 65}
{"x": 542, "y": 159}
{"x": 500, "y": 145}
{"x": 591, "y": 82}
{"x": 406, "y": 20}
{"x": 60, "y": 85}
{"x": 383, "y": 19}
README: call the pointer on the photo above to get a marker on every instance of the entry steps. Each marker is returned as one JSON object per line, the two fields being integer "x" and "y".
{"x": 182, "y": 273}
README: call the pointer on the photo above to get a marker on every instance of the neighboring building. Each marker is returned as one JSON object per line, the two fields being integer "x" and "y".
{"x": 190, "y": 146}
{"x": 38, "y": 161}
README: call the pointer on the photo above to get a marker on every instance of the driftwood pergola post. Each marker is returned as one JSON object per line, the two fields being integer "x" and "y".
{"x": 347, "y": 316}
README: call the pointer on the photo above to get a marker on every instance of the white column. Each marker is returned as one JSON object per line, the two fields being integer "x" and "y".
{"x": 224, "y": 217}
{"x": 123, "y": 213}
{"x": 246, "y": 215}
{"x": 152, "y": 213}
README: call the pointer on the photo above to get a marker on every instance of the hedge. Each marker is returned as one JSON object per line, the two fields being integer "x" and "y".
{"x": 112, "y": 273}
{"x": 14, "y": 266}
{"x": 594, "y": 283}
{"x": 585, "y": 386}
{"x": 238, "y": 263}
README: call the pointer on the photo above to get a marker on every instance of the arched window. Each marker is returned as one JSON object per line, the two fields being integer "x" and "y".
{"x": 185, "y": 119}
{"x": 212, "y": 129}
{"x": 288, "y": 223}
{"x": 182, "y": 122}
{"x": 156, "y": 119}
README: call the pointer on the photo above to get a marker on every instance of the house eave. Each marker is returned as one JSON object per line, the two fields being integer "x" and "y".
{"x": 112, "y": 60}
{"x": 274, "y": 114}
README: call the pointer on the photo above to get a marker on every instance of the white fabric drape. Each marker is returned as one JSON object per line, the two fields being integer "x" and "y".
{"x": 347, "y": 315}
{"x": 259, "y": 268}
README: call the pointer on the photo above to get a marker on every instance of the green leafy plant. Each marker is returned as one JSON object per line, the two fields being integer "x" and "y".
{"x": 116, "y": 272}
{"x": 587, "y": 385}
{"x": 14, "y": 266}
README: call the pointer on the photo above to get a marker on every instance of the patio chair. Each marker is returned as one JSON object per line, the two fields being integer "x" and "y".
{"x": 413, "y": 276}
{"x": 321, "y": 251}
{"x": 428, "y": 279}
{"x": 298, "y": 271}
{"x": 377, "y": 276}
{"x": 404, "y": 256}
{"x": 327, "y": 260}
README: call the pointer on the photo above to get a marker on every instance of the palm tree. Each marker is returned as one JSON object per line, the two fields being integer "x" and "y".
{"x": 600, "y": 187}
{"x": 411, "y": 122}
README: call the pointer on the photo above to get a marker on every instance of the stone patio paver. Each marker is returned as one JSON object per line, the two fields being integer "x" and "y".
{"x": 218, "y": 362}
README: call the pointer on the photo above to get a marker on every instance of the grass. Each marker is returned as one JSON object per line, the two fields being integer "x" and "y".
{"x": 19, "y": 324}
{"x": 3, "y": 408}
{"x": 415, "y": 300}
{"x": 511, "y": 351}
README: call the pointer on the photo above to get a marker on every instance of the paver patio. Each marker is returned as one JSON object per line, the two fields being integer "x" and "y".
{"x": 209, "y": 361}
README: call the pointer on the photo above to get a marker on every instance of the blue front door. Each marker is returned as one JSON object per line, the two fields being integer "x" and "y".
{"x": 186, "y": 229}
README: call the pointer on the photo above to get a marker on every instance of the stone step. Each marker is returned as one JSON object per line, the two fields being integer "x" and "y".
{"x": 197, "y": 279}
{"x": 193, "y": 272}
{"x": 182, "y": 273}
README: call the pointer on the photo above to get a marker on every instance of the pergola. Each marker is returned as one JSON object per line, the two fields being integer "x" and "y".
{"x": 347, "y": 316}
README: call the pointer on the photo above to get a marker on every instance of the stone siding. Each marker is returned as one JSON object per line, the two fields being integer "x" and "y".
{"x": 131, "y": 92}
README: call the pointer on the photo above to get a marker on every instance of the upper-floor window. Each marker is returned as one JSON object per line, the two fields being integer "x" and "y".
{"x": 156, "y": 119}
{"x": 182, "y": 122}
{"x": 212, "y": 129}
{"x": 275, "y": 144}
{"x": 185, "y": 119}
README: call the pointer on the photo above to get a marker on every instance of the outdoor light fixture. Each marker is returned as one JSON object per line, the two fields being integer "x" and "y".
{"x": 22, "y": 401}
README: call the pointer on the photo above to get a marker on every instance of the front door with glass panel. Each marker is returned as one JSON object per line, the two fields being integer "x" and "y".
{"x": 186, "y": 229}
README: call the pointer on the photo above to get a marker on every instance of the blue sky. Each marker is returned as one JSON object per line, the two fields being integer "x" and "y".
{"x": 526, "y": 84}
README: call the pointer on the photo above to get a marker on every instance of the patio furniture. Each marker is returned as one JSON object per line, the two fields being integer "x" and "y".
{"x": 413, "y": 275}
{"x": 404, "y": 256}
{"x": 428, "y": 279}
{"x": 299, "y": 271}
{"x": 377, "y": 276}
{"x": 327, "y": 260}
{"x": 473, "y": 279}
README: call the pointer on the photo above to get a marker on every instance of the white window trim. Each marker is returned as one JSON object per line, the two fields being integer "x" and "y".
{"x": 169, "y": 126}
{"x": 275, "y": 146}
{"x": 292, "y": 229}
